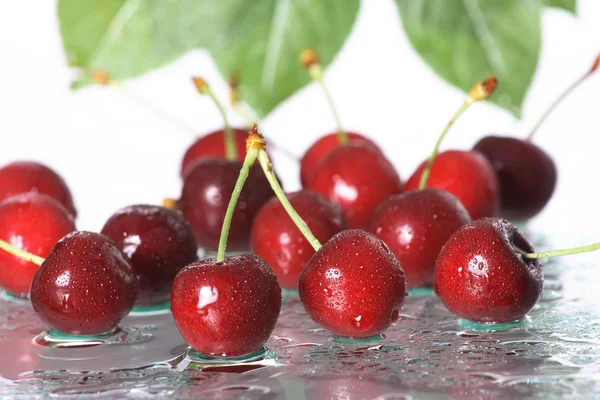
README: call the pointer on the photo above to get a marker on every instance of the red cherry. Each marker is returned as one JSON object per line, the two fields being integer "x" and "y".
{"x": 353, "y": 286}
{"x": 468, "y": 176}
{"x": 85, "y": 286}
{"x": 32, "y": 222}
{"x": 277, "y": 240}
{"x": 206, "y": 192}
{"x": 228, "y": 308}
{"x": 526, "y": 173}
{"x": 358, "y": 177}
{"x": 415, "y": 225}
{"x": 321, "y": 148}
{"x": 158, "y": 241}
{"x": 28, "y": 176}
{"x": 212, "y": 145}
{"x": 482, "y": 275}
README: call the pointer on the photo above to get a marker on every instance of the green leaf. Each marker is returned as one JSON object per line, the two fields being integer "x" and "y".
{"x": 464, "y": 41}
{"x": 567, "y": 5}
{"x": 259, "y": 39}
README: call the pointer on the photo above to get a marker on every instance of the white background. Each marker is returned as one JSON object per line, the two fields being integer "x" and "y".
{"x": 112, "y": 152}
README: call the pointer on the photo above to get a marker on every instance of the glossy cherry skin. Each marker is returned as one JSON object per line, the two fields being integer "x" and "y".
{"x": 33, "y": 222}
{"x": 206, "y": 192}
{"x": 481, "y": 274}
{"x": 358, "y": 177}
{"x": 212, "y": 145}
{"x": 415, "y": 225}
{"x": 276, "y": 239}
{"x": 354, "y": 286}
{"x": 85, "y": 286}
{"x": 467, "y": 175}
{"x": 321, "y": 148}
{"x": 526, "y": 173}
{"x": 159, "y": 243}
{"x": 28, "y": 176}
{"x": 226, "y": 309}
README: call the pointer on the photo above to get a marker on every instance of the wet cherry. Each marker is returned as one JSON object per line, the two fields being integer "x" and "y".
{"x": 33, "y": 222}
{"x": 29, "y": 176}
{"x": 159, "y": 243}
{"x": 353, "y": 286}
{"x": 85, "y": 286}
{"x": 277, "y": 240}
{"x": 415, "y": 225}
{"x": 226, "y": 308}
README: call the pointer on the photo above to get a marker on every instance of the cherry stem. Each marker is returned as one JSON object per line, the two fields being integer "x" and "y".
{"x": 316, "y": 73}
{"x": 230, "y": 148}
{"x": 480, "y": 91}
{"x": 21, "y": 253}
{"x": 564, "y": 252}
{"x": 237, "y": 190}
{"x": 263, "y": 159}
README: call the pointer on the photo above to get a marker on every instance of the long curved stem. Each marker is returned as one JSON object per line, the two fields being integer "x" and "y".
{"x": 25, "y": 255}
{"x": 436, "y": 148}
{"x": 564, "y": 252}
{"x": 230, "y": 147}
{"x": 316, "y": 73}
{"x": 555, "y": 104}
{"x": 263, "y": 159}
{"x": 237, "y": 190}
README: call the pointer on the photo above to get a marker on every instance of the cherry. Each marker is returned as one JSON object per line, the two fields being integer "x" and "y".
{"x": 206, "y": 191}
{"x": 324, "y": 145}
{"x": 226, "y": 308}
{"x": 527, "y": 174}
{"x": 32, "y": 222}
{"x": 465, "y": 174}
{"x": 29, "y": 176}
{"x": 482, "y": 275}
{"x": 158, "y": 241}
{"x": 321, "y": 148}
{"x": 353, "y": 286}
{"x": 277, "y": 240}
{"x": 85, "y": 286}
{"x": 415, "y": 225}
{"x": 358, "y": 177}
{"x": 213, "y": 145}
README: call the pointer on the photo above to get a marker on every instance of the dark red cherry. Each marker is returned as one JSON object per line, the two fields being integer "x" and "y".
{"x": 206, "y": 192}
{"x": 358, "y": 177}
{"x": 85, "y": 286}
{"x": 353, "y": 286}
{"x": 526, "y": 173}
{"x": 415, "y": 225}
{"x": 28, "y": 176}
{"x": 276, "y": 239}
{"x": 228, "y": 308}
{"x": 321, "y": 148}
{"x": 481, "y": 274}
{"x": 467, "y": 175}
{"x": 33, "y": 222}
{"x": 212, "y": 145}
{"x": 158, "y": 241}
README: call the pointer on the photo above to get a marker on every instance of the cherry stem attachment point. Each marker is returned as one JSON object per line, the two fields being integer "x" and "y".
{"x": 237, "y": 190}
{"x": 230, "y": 148}
{"x": 563, "y": 96}
{"x": 564, "y": 252}
{"x": 480, "y": 91}
{"x": 310, "y": 59}
{"x": 25, "y": 255}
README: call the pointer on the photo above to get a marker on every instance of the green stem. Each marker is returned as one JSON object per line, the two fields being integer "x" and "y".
{"x": 555, "y": 104}
{"x": 436, "y": 149}
{"x": 21, "y": 253}
{"x": 564, "y": 252}
{"x": 316, "y": 73}
{"x": 237, "y": 190}
{"x": 263, "y": 159}
{"x": 230, "y": 148}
